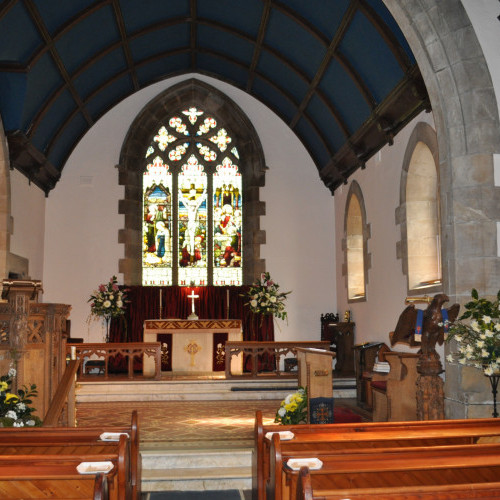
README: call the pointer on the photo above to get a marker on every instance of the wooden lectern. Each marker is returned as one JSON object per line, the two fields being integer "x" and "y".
{"x": 315, "y": 373}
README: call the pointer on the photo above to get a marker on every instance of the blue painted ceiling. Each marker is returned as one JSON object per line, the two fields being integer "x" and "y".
{"x": 338, "y": 72}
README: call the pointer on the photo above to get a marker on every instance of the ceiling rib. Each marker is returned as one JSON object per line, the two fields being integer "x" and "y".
{"x": 387, "y": 35}
{"x": 60, "y": 66}
{"x": 193, "y": 37}
{"x": 126, "y": 48}
{"x": 67, "y": 26}
{"x": 264, "y": 20}
{"x": 332, "y": 48}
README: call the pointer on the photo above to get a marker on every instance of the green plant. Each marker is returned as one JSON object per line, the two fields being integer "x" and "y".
{"x": 15, "y": 409}
{"x": 478, "y": 340}
{"x": 293, "y": 409}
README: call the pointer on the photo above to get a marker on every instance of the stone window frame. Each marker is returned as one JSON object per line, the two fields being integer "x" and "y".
{"x": 355, "y": 190}
{"x": 132, "y": 162}
{"x": 422, "y": 133}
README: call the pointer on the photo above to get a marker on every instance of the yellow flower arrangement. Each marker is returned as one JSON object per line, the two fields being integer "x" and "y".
{"x": 293, "y": 409}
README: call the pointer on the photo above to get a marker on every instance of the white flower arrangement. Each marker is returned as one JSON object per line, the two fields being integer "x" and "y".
{"x": 108, "y": 300}
{"x": 265, "y": 298}
{"x": 479, "y": 341}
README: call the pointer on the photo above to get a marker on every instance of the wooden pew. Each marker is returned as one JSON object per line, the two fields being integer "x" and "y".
{"x": 80, "y": 440}
{"x": 384, "y": 467}
{"x": 437, "y": 492}
{"x": 48, "y": 475}
{"x": 395, "y": 393}
{"x": 317, "y": 438}
{"x": 101, "y": 491}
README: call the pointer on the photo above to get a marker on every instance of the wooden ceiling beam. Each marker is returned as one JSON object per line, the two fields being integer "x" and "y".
{"x": 67, "y": 26}
{"x": 331, "y": 50}
{"x": 264, "y": 21}
{"x": 37, "y": 19}
{"x": 192, "y": 33}
{"x": 124, "y": 43}
{"x": 387, "y": 35}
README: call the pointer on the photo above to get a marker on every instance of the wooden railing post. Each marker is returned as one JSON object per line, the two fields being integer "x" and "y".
{"x": 253, "y": 349}
{"x": 130, "y": 349}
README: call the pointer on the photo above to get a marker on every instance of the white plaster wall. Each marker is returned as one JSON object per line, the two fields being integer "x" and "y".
{"x": 483, "y": 15}
{"x": 28, "y": 217}
{"x": 386, "y": 288}
{"x": 82, "y": 221}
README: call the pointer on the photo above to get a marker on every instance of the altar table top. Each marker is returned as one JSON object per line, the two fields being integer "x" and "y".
{"x": 186, "y": 324}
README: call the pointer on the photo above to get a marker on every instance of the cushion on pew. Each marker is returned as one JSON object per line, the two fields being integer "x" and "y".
{"x": 381, "y": 385}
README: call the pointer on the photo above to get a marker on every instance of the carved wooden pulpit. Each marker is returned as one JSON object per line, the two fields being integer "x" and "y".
{"x": 33, "y": 336}
{"x": 315, "y": 373}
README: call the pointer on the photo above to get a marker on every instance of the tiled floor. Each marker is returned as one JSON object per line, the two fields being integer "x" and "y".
{"x": 188, "y": 421}
{"x": 172, "y": 421}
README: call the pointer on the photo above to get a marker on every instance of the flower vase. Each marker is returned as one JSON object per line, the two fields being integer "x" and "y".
{"x": 494, "y": 387}
{"x": 107, "y": 320}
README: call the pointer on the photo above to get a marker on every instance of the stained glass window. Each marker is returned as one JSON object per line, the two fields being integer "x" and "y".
{"x": 192, "y": 204}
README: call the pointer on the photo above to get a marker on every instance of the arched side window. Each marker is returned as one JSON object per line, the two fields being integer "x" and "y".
{"x": 419, "y": 214}
{"x": 191, "y": 165}
{"x": 356, "y": 262}
{"x": 192, "y": 234}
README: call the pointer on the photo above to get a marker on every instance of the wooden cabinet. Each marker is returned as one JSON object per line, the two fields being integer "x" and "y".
{"x": 341, "y": 338}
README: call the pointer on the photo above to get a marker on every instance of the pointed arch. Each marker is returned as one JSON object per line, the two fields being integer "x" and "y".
{"x": 356, "y": 234}
{"x": 132, "y": 164}
{"x": 419, "y": 214}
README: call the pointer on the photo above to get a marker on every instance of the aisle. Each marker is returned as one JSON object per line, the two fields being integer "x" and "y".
{"x": 185, "y": 421}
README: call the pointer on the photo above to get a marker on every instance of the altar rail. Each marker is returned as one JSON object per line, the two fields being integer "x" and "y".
{"x": 264, "y": 357}
{"x": 98, "y": 355}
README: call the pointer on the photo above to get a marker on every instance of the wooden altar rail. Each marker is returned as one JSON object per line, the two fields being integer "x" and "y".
{"x": 270, "y": 350}
{"x": 89, "y": 352}
{"x": 64, "y": 399}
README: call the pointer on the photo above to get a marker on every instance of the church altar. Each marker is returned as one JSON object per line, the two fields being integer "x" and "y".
{"x": 193, "y": 345}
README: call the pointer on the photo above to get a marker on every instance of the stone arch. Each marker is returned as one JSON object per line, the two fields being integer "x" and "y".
{"x": 4, "y": 204}
{"x": 132, "y": 163}
{"x": 422, "y": 143}
{"x": 355, "y": 241}
{"x": 465, "y": 111}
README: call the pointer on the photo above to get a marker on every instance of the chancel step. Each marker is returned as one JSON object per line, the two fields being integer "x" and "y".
{"x": 198, "y": 390}
{"x": 176, "y": 469}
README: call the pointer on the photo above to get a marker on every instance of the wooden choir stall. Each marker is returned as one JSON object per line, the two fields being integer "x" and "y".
{"x": 193, "y": 345}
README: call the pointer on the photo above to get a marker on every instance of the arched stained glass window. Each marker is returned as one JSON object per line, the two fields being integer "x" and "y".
{"x": 192, "y": 204}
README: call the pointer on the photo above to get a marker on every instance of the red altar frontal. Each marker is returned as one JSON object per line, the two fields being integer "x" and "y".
{"x": 193, "y": 345}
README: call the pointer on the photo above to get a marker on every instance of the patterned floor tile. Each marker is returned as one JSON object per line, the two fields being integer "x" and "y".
{"x": 181, "y": 421}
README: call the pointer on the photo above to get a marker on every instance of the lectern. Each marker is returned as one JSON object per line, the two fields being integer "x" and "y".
{"x": 315, "y": 373}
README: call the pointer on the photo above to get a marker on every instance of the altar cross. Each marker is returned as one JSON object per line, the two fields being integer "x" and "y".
{"x": 193, "y": 315}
